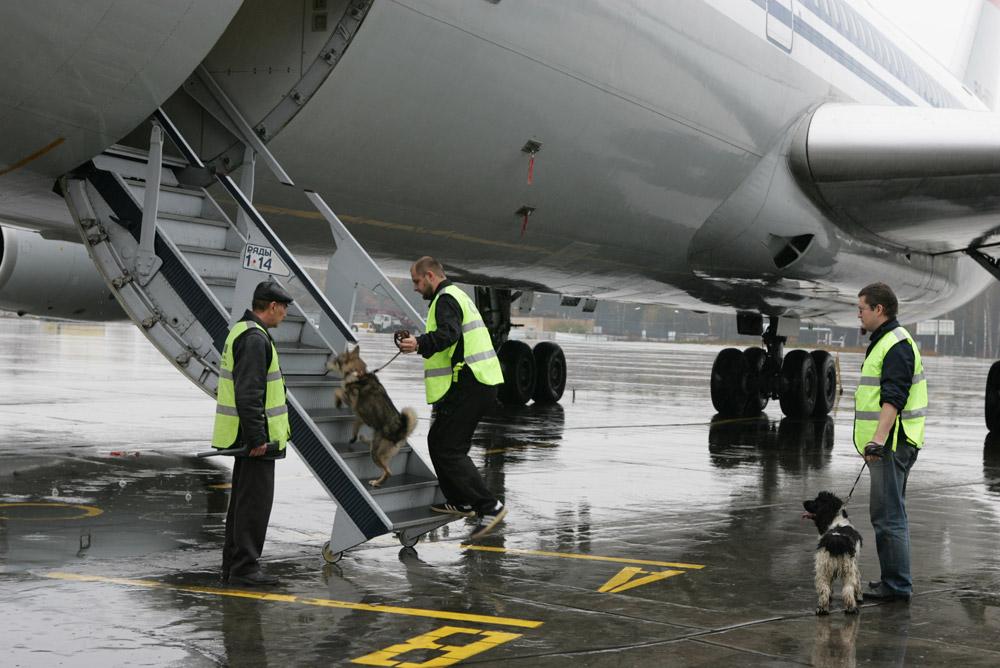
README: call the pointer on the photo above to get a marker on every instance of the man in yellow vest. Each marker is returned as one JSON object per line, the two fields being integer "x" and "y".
{"x": 461, "y": 375}
{"x": 890, "y": 405}
{"x": 251, "y": 412}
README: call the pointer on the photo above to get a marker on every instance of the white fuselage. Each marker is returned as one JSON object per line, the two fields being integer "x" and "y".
{"x": 650, "y": 115}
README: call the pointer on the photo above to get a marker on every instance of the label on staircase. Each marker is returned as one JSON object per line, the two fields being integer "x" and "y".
{"x": 263, "y": 259}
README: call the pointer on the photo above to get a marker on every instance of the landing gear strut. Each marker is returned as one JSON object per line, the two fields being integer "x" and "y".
{"x": 538, "y": 374}
{"x": 743, "y": 381}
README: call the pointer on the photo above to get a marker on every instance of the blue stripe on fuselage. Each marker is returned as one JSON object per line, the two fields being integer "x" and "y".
{"x": 823, "y": 43}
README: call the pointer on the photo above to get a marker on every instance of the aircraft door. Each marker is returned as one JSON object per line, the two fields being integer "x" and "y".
{"x": 781, "y": 23}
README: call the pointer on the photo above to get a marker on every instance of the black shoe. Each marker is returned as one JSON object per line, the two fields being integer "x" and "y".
{"x": 883, "y": 594}
{"x": 462, "y": 509}
{"x": 255, "y": 579}
{"x": 874, "y": 584}
{"x": 224, "y": 578}
{"x": 488, "y": 522}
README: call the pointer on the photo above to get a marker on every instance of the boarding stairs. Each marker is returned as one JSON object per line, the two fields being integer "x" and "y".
{"x": 175, "y": 261}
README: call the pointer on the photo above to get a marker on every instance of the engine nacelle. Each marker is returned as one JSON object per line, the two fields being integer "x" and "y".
{"x": 52, "y": 279}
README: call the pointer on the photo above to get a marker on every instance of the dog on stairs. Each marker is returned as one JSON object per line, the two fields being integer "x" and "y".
{"x": 836, "y": 553}
{"x": 366, "y": 396}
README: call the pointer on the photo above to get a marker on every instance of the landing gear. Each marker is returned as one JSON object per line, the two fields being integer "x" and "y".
{"x": 550, "y": 373}
{"x": 538, "y": 374}
{"x": 798, "y": 391}
{"x": 518, "y": 365}
{"x": 805, "y": 383}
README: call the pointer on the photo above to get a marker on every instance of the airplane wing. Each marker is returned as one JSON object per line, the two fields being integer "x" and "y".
{"x": 923, "y": 178}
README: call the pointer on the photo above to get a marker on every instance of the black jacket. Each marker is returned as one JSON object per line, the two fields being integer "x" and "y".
{"x": 251, "y": 359}
{"x": 448, "y": 317}
{"x": 897, "y": 371}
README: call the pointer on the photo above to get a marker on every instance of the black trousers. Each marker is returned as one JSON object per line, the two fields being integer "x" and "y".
{"x": 248, "y": 515}
{"x": 453, "y": 422}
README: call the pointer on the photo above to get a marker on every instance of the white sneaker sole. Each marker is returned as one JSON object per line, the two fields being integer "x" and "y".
{"x": 487, "y": 528}
{"x": 456, "y": 512}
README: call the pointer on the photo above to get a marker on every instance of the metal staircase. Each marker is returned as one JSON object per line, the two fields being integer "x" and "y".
{"x": 175, "y": 261}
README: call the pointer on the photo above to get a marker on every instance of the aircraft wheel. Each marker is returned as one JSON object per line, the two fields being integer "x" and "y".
{"x": 518, "y": 364}
{"x": 993, "y": 398}
{"x": 331, "y": 557}
{"x": 550, "y": 373}
{"x": 826, "y": 382}
{"x": 757, "y": 396}
{"x": 728, "y": 384}
{"x": 798, "y": 384}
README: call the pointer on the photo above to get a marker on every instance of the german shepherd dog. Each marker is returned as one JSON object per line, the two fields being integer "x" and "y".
{"x": 366, "y": 396}
{"x": 836, "y": 553}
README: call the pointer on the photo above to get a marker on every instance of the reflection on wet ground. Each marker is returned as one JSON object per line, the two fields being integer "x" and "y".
{"x": 644, "y": 530}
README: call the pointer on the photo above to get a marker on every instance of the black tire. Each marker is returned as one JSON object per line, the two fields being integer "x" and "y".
{"x": 518, "y": 365}
{"x": 993, "y": 398}
{"x": 757, "y": 396}
{"x": 728, "y": 383}
{"x": 826, "y": 382}
{"x": 550, "y": 373}
{"x": 798, "y": 384}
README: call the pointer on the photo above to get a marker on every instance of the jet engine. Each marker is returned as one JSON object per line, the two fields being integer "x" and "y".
{"x": 51, "y": 279}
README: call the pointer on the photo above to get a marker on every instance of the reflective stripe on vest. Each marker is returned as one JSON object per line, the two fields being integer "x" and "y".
{"x": 476, "y": 346}
{"x": 867, "y": 396}
{"x": 227, "y": 418}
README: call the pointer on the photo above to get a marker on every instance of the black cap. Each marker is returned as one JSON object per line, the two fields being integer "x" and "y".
{"x": 270, "y": 291}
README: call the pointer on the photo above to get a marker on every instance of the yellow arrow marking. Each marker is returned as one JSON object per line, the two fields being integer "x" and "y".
{"x": 623, "y": 579}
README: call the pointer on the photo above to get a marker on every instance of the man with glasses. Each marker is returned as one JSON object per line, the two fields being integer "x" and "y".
{"x": 890, "y": 404}
{"x": 251, "y": 411}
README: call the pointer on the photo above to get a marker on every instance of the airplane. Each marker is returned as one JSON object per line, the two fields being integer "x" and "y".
{"x": 762, "y": 158}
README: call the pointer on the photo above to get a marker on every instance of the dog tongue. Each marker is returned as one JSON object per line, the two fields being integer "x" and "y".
{"x": 808, "y": 516}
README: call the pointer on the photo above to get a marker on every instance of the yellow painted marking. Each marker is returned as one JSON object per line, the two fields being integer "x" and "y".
{"x": 287, "y": 598}
{"x": 450, "y": 654}
{"x": 34, "y": 156}
{"x": 589, "y": 557}
{"x": 623, "y": 579}
{"x": 222, "y": 485}
{"x": 87, "y": 511}
{"x": 357, "y": 220}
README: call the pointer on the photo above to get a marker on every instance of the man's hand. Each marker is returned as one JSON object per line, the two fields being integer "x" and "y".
{"x": 259, "y": 450}
{"x": 873, "y": 451}
{"x": 407, "y": 345}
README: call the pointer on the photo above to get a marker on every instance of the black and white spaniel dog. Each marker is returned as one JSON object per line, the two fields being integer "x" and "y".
{"x": 836, "y": 554}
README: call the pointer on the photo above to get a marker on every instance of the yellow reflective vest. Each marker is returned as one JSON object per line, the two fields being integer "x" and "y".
{"x": 867, "y": 398}
{"x": 227, "y": 419}
{"x": 477, "y": 349}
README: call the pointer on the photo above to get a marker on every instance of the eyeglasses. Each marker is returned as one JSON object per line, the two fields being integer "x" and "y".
{"x": 862, "y": 307}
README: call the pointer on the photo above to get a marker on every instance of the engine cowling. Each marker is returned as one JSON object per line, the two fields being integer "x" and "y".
{"x": 52, "y": 279}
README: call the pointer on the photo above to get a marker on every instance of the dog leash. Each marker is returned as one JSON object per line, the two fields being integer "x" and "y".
{"x": 396, "y": 337}
{"x": 387, "y": 363}
{"x": 863, "y": 465}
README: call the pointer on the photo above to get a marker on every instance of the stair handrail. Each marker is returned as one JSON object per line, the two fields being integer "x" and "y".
{"x": 241, "y": 200}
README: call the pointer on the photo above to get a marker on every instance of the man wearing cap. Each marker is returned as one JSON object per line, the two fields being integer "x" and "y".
{"x": 251, "y": 412}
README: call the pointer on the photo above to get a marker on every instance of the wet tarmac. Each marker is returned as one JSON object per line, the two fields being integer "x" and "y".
{"x": 642, "y": 531}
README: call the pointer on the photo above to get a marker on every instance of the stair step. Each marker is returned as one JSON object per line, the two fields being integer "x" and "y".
{"x": 400, "y": 481}
{"x": 200, "y": 220}
{"x": 194, "y": 231}
{"x": 411, "y": 517}
{"x": 330, "y": 415}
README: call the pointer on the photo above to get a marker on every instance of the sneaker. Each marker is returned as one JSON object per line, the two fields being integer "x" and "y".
{"x": 462, "y": 509}
{"x": 488, "y": 522}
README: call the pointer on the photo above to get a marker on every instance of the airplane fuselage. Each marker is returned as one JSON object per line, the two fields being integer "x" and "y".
{"x": 650, "y": 116}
